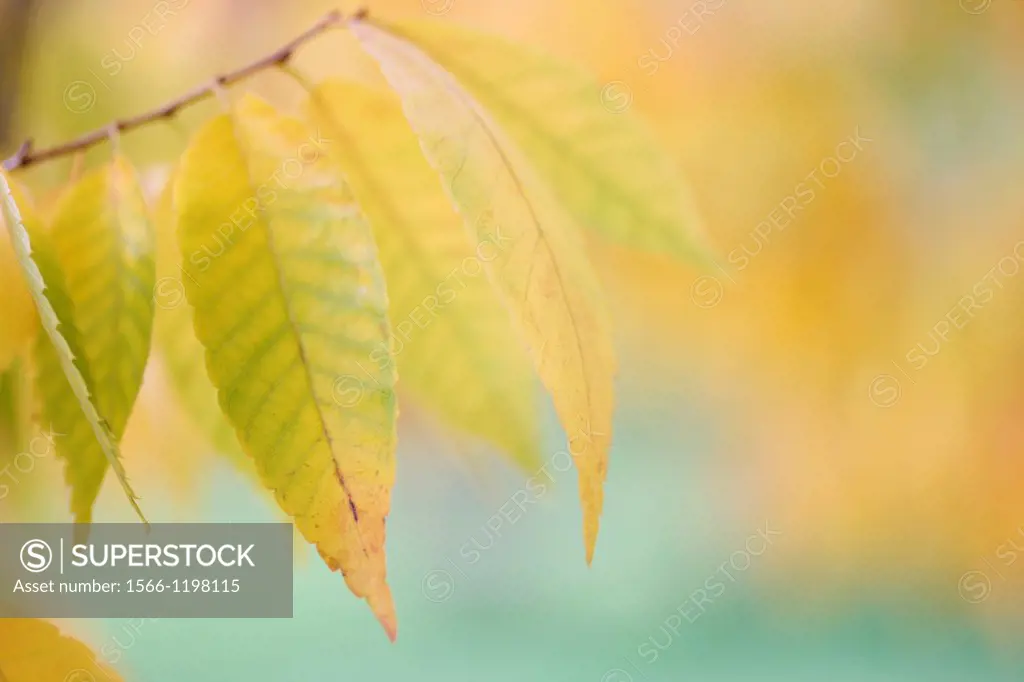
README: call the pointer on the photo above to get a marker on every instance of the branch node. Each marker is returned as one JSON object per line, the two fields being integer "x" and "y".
{"x": 25, "y": 149}
{"x": 218, "y": 89}
{"x": 114, "y": 135}
{"x": 24, "y": 152}
{"x": 26, "y": 156}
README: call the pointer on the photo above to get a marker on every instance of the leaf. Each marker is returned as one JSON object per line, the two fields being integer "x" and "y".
{"x": 289, "y": 300}
{"x": 17, "y": 435}
{"x": 71, "y": 397}
{"x": 33, "y": 650}
{"x": 453, "y": 343}
{"x": 104, "y": 244}
{"x": 175, "y": 337}
{"x": 603, "y": 162}
{"x": 543, "y": 274}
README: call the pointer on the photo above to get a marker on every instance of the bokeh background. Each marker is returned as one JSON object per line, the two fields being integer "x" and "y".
{"x": 816, "y": 425}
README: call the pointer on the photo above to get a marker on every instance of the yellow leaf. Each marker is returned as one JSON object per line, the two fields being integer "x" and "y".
{"x": 453, "y": 343}
{"x": 65, "y": 381}
{"x": 105, "y": 247}
{"x": 175, "y": 337}
{"x": 184, "y": 358}
{"x": 17, "y": 437}
{"x": 604, "y": 163}
{"x": 34, "y": 650}
{"x": 17, "y": 310}
{"x": 282, "y": 271}
{"x": 542, "y": 274}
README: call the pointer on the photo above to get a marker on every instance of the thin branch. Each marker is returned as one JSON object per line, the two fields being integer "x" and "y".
{"x": 26, "y": 155}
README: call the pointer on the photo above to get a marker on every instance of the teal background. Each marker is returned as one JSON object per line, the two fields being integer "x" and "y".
{"x": 530, "y": 609}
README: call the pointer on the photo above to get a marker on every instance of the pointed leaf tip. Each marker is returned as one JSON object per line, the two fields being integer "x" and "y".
{"x": 548, "y": 286}
{"x": 383, "y": 607}
{"x": 312, "y": 314}
{"x": 62, "y": 366}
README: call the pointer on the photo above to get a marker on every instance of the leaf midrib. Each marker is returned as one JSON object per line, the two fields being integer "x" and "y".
{"x": 293, "y": 326}
{"x": 112, "y": 364}
{"x": 513, "y": 110}
{"x": 471, "y": 106}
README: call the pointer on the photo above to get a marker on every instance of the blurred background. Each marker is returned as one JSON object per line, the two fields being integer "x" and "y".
{"x": 817, "y": 471}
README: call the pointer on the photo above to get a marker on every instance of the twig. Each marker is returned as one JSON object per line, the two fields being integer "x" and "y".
{"x": 26, "y": 155}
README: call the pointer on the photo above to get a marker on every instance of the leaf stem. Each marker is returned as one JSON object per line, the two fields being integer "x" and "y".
{"x": 27, "y": 156}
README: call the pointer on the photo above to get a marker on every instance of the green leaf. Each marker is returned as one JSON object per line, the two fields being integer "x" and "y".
{"x": 602, "y": 161}
{"x": 65, "y": 382}
{"x": 542, "y": 275}
{"x": 104, "y": 245}
{"x": 175, "y": 338}
{"x": 456, "y": 351}
{"x": 289, "y": 298}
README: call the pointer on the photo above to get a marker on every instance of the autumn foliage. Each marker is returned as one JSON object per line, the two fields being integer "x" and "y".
{"x": 293, "y": 252}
